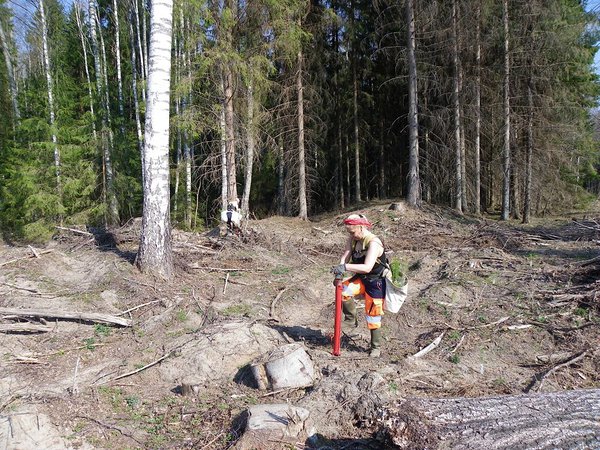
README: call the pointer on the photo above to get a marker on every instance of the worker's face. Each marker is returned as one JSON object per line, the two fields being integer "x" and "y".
{"x": 356, "y": 231}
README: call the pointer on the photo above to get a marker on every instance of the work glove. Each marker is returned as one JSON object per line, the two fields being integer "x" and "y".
{"x": 339, "y": 269}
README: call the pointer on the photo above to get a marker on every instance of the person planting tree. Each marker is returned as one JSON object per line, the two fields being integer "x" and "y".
{"x": 365, "y": 257}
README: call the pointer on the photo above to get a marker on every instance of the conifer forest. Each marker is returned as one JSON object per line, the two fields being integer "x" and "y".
{"x": 296, "y": 108}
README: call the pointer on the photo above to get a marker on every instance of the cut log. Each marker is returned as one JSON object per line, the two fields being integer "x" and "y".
{"x": 67, "y": 315}
{"x": 565, "y": 420}
{"x": 286, "y": 367}
{"x": 275, "y": 426}
{"x": 24, "y": 328}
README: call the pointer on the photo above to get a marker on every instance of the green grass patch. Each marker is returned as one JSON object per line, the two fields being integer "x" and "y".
{"x": 239, "y": 309}
{"x": 281, "y": 270}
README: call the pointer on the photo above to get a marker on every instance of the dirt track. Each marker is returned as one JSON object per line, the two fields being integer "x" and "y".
{"x": 511, "y": 303}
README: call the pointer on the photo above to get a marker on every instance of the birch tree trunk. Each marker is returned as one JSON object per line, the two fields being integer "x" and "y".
{"x": 134, "y": 87}
{"x": 78, "y": 10}
{"x": 144, "y": 36}
{"x": 155, "y": 254}
{"x": 457, "y": 120}
{"x": 413, "y": 184}
{"x": 303, "y": 213}
{"x": 50, "y": 97}
{"x": 249, "y": 152}
{"x": 506, "y": 101}
{"x": 12, "y": 83}
{"x": 478, "y": 110}
{"x": 187, "y": 151}
{"x": 136, "y": 16}
{"x": 118, "y": 60}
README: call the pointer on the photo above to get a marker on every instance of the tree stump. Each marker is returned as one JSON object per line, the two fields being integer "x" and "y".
{"x": 285, "y": 367}
{"x": 275, "y": 425}
{"x": 565, "y": 420}
{"x": 398, "y": 206}
{"x": 190, "y": 386}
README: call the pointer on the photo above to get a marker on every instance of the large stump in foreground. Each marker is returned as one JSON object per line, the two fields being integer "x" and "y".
{"x": 565, "y": 420}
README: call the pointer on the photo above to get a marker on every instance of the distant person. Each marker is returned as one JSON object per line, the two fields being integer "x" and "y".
{"x": 232, "y": 216}
{"x": 365, "y": 257}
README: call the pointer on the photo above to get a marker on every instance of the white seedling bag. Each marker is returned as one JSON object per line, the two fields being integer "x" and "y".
{"x": 394, "y": 295}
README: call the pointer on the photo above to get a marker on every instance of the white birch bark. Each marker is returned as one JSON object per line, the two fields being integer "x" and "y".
{"x": 249, "y": 152}
{"x": 118, "y": 61}
{"x": 50, "y": 95}
{"x": 12, "y": 84}
{"x": 457, "y": 121}
{"x": 136, "y": 16}
{"x": 103, "y": 67}
{"x": 144, "y": 35}
{"x": 506, "y": 87}
{"x": 303, "y": 213}
{"x": 155, "y": 254}
{"x": 134, "y": 86}
{"x": 187, "y": 150}
{"x": 413, "y": 195}
{"x": 78, "y": 9}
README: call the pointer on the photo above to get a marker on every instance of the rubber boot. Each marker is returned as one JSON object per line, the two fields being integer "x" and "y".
{"x": 375, "y": 343}
{"x": 350, "y": 316}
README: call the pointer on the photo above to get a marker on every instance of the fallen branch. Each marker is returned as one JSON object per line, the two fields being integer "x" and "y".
{"x": 430, "y": 347}
{"x": 34, "y": 251}
{"x": 24, "y": 327}
{"x": 27, "y": 360}
{"x": 226, "y": 281}
{"x": 25, "y": 257}
{"x": 66, "y": 315}
{"x": 64, "y": 350}
{"x": 74, "y": 230}
{"x": 133, "y": 372}
{"x": 235, "y": 281}
{"x": 138, "y": 307}
{"x": 322, "y": 231}
{"x": 540, "y": 378}
{"x": 33, "y": 291}
{"x": 497, "y": 322}
{"x": 223, "y": 269}
{"x": 517, "y": 327}
{"x": 459, "y": 343}
{"x": 274, "y": 302}
{"x": 108, "y": 426}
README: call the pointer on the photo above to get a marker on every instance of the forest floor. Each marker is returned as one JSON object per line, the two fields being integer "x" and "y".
{"x": 513, "y": 302}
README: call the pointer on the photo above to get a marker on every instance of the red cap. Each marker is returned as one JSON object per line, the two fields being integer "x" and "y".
{"x": 358, "y": 221}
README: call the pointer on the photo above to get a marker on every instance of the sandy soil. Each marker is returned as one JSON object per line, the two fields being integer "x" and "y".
{"x": 511, "y": 302}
